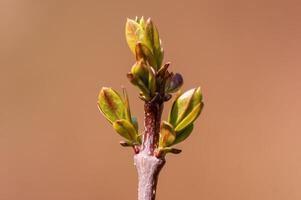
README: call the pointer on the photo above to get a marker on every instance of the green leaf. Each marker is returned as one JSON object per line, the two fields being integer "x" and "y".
{"x": 179, "y": 107}
{"x": 144, "y": 77}
{"x": 141, "y": 71}
{"x": 152, "y": 40}
{"x": 141, "y": 21}
{"x": 159, "y": 55}
{"x": 140, "y": 84}
{"x": 144, "y": 52}
{"x": 148, "y": 39}
{"x": 156, "y": 38}
{"x": 133, "y": 33}
{"x": 111, "y": 104}
{"x": 126, "y": 130}
{"x": 127, "y": 105}
{"x": 196, "y": 99}
{"x": 183, "y": 105}
{"x": 183, "y": 134}
{"x": 152, "y": 80}
{"x": 139, "y": 138}
{"x": 167, "y": 134}
{"x": 190, "y": 118}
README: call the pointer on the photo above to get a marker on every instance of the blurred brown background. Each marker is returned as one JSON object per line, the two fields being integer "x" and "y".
{"x": 56, "y": 55}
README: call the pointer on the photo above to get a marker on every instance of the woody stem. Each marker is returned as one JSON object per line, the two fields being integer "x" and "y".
{"x": 147, "y": 164}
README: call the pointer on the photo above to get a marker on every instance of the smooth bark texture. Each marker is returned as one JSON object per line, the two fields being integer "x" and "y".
{"x": 147, "y": 163}
{"x": 148, "y": 168}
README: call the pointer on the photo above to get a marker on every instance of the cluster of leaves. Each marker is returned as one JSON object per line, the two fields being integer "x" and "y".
{"x": 185, "y": 110}
{"x": 154, "y": 81}
{"x": 117, "y": 111}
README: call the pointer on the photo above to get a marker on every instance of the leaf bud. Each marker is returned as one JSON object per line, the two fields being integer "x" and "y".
{"x": 174, "y": 83}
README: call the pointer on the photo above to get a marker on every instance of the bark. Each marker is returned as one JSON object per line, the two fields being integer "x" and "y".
{"x": 147, "y": 163}
{"x": 148, "y": 168}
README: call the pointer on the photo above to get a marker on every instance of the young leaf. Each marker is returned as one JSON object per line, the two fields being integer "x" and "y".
{"x": 133, "y": 32}
{"x": 152, "y": 40}
{"x": 179, "y": 107}
{"x": 143, "y": 52}
{"x": 144, "y": 77}
{"x": 190, "y": 118}
{"x": 183, "y": 134}
{"x": 149, "y": 35}
{"x": 127, "y": 105}
{"x": 152, "y": 80}
{"x": 183, "y": 105}
{"x": 126, "y": 130}
{"x": 140, "y": 84}
{"x": 159, "y": 54}
{"x": 111, "y": 104}
{"x": 196, "y": 99}
{"x": 156, "y": 38}
{"x": 141, "y": 21}
{"x": 141, "y": 71}
{"x": 167, "y": 135}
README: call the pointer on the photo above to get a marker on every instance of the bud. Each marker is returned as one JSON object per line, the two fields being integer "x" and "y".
{"x": 167, "y": 135}
{"x": 140, "y": 70}
{"x": 185, "y": 109}
{"x": 139, "y": 77}
{"x": 140, "y": 21}
{"x": 111, "y": 104}
{"x": 173, "y": 83}
{"x": 144, "y": 78}
{"x": 145, "y": 33}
